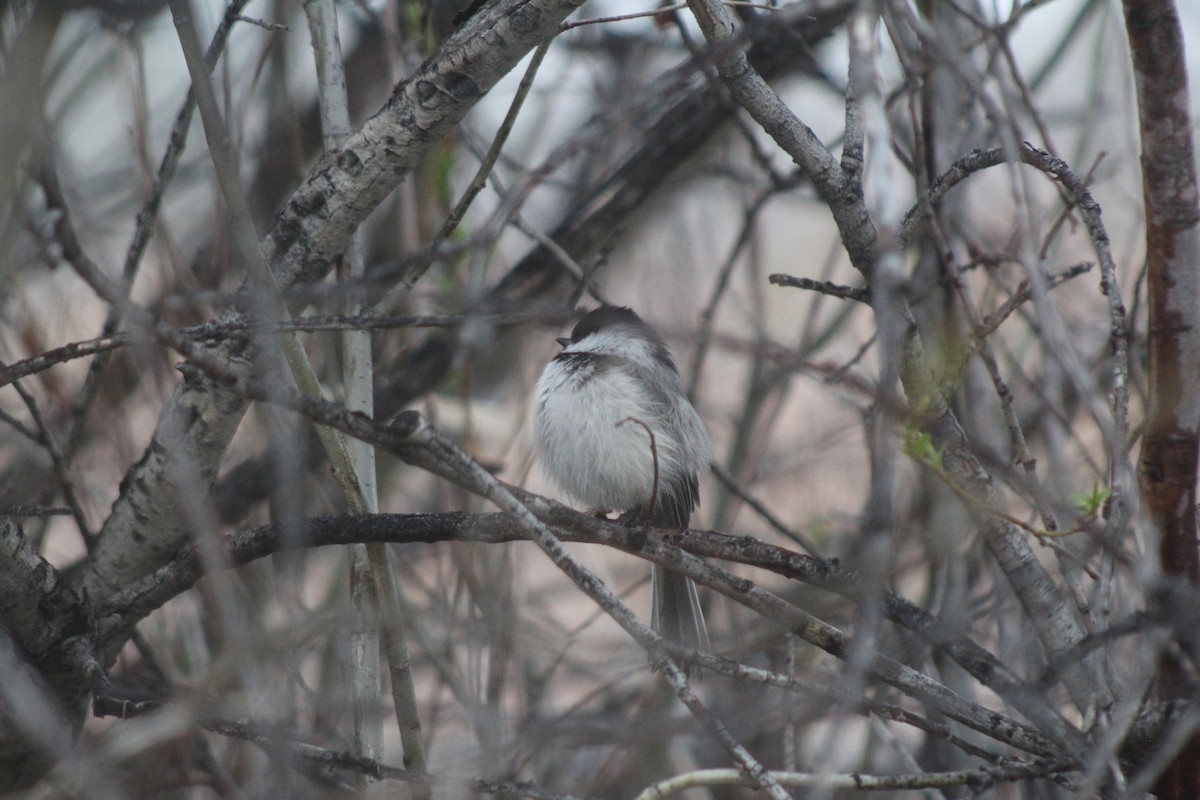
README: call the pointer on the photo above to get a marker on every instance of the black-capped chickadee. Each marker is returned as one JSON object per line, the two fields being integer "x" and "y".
{"x": 613, "y": 376}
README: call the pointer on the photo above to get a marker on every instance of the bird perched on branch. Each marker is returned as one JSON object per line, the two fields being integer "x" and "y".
{"x": 614, "y": 429}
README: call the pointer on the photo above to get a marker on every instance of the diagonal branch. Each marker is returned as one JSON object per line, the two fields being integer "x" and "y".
{"x": 147, "y": 522}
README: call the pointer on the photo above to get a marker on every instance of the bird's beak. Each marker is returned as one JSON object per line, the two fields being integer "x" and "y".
{"x": 563, "y": 341}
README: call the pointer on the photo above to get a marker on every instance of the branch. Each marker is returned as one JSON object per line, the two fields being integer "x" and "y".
{"x": 489, "y": 160}
{"x": 274, "y": 743}
{"x": 213, "y": 332}
{"x": 978, "y": 780}
{"x": 484, "y": 484}
{"x": 751, "y": 91}
{"x": 1170, "y": 454}
{"x": 143, "y": 597}
{"x": 680, "y": 122}
{"x": 312, "y": 229}
{"x": 823, "y": 287}
{"x": 308, "y": 236}
{"x": 47, "y": 638}
{"x": 1044, "y": 603}
{"x": 410, "y": 432}
{"x": 373, "y": 590}
{"x": 1168, "y": 461}
{"x": 1050, "y": 615}
{"x": 398, "y": 439}
{"x": 147, "y": 217}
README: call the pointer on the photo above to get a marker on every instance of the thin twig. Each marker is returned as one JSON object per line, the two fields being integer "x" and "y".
{"x": 823, "y": 287}
{"x": 372, "y": 608}
{"x": 423, "y": 781}
{"x": 1024, "y": 293}
{"x": 147, "y": 217}
{"x": 58, "y": 460}
{"x": 979, "y": 779}
{"x": 211, "y": 332}
{"x": 22, "y": 510}
{"x": 761, "y": 509}
{"x": 657, "y": 12}
{"x": 20, "y": 427}
{"x": 653, "y": 456}
{"x": 489, "y": 160}
{"x": 266, "y": 26}
{"x": 705, "y": 328}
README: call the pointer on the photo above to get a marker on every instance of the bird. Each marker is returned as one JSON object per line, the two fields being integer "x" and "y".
{"x": 613, "y": 383}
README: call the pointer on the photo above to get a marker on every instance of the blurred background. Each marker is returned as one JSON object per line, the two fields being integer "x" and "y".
{"x": 633, "y": 164}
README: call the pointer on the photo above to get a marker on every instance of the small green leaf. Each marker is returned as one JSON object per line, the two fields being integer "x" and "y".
{"x": 1091, "y": 502}
{"x": 919, "y": 445}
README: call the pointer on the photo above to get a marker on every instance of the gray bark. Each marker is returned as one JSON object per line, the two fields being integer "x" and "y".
{"x": 148, "y": 520}
{"x": 48, "y": 626}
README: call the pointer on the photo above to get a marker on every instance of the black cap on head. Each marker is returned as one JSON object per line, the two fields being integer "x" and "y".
{"x": 608, "y": 317}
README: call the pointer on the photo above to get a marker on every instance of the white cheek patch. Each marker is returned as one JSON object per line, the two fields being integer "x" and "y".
{"x": 617, "y": 342}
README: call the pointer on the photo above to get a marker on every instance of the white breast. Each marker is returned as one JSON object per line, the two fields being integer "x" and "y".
{"x": 583, "y": 449}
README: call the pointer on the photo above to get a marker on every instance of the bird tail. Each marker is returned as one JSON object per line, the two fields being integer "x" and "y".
{"x": 675, "y": 613}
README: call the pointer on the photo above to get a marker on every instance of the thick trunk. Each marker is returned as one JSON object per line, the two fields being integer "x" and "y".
{"x": 1168, "y": 461}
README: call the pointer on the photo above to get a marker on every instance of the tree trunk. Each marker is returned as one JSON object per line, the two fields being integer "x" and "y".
{"x": 1168, "y": 461}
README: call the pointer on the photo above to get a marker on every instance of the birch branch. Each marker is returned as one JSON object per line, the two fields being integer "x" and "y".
{"x": 373, "y": 587}
{"x": 308, "y": 236}
{"x": 365, "y": 598}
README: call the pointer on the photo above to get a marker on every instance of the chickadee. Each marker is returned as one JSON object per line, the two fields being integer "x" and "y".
{"x": 613, "y": 376}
